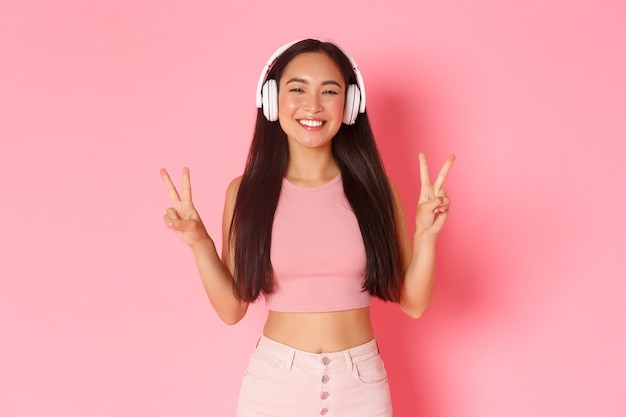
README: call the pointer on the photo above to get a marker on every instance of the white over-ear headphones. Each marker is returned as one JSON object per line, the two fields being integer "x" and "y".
{"x": 267, "y": 90}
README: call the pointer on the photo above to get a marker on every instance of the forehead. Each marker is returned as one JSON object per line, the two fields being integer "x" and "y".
{"x": 312, "y": 65}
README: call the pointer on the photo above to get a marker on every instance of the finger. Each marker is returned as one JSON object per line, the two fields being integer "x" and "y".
{"x": 182, "y": 225}
{"x": 443, "y": 173}
{"x": 186, "y": 185}
{"x": 434, "y": 203}
{"x": 174, "y": 222}
{"x": 167, "y": 220}
{"x": 171, "y": 189}
{"x": 171, "y": 214}
{"x": 444, "y": 206}
{"x": 425, "y": 177}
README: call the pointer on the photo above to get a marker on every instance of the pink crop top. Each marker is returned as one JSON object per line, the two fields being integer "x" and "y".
{"x": 317, "y": 251}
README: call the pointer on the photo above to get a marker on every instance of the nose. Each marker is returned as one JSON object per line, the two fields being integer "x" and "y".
{"x": 313, "y": 104}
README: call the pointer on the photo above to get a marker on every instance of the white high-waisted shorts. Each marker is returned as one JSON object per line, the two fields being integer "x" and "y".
{"x": 281, "y": 381}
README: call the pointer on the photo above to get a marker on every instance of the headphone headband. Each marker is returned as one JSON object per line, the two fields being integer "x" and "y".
{"x": 282, "y": 49}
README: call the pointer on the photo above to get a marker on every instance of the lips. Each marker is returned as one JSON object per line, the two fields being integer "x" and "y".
{"x": 311, "y": 123}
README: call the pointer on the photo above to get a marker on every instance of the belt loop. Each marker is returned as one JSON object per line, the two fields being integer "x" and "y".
{"x": 349, "y": 364}
{"x": 289, "y": 358}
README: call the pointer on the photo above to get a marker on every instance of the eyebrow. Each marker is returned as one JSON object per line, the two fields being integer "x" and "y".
{"x": 303, "y": 81}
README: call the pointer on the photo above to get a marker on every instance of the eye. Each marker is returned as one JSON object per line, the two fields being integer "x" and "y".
{"x": 296, "y": 90}
{"x": 330, "y": 92}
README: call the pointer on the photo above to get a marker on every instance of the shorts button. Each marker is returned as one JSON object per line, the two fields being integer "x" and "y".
{"x": 325, "y": 360}
{"x": 325, "y": 379}
{"x": 324, "y": 411}
{"x": 324, "y": 395}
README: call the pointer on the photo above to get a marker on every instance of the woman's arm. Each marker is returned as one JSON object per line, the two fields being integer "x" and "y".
{"x": 419, "y": 252}
{"x": 216, "y": 275}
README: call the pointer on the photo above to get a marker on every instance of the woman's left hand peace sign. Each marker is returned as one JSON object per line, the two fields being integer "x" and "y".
{"x": 183, "y": 217}
{"x": 433, "y": 203}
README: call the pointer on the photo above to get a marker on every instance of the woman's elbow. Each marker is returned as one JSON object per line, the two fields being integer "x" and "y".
{"x": 231, "y": 320}
{"x": 234, "y": 316}
{"x": 416, "y": 311}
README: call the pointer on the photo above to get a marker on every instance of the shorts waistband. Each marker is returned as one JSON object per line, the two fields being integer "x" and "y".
{"x": 288, "y": 356}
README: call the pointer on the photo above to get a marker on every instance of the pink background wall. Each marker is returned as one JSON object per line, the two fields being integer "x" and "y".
{"x": 101, "y": 310}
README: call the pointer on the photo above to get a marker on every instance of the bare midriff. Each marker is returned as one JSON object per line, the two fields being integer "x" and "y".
{"x": 320, "y": 332}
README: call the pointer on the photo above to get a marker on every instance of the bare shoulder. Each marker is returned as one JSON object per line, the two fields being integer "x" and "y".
{"x": 233, "y": 189}
{"x": 394, "y": 189}
{"x": 231, "y": 198}
{"x": 229, "y": 208}
{"x": 234, "y": 185}
{"x": 403, "y": 232}
{"x": 397, "y": 200}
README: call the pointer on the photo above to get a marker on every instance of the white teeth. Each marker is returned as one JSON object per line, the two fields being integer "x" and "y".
{"x": 311, "y": 123}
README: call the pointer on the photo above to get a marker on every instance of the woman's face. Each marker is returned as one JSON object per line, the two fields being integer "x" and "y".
{"x": 311, "y": 97}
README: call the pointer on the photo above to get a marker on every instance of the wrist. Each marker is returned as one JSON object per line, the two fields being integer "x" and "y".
{"x": 202, "y": 245}
{"x": 424, "y": 237}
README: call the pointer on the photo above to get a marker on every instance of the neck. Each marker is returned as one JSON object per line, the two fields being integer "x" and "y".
{"x": 311, "y": 167}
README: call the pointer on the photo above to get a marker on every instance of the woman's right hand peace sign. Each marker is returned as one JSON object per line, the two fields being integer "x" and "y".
{"x": 183, "y": 217}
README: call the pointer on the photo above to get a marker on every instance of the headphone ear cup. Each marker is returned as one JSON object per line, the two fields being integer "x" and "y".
{"x": 353, "y": 100}
{"x": 270, "y": 100}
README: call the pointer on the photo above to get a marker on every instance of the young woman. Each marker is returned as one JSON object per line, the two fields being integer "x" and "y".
{"x": 316, "y": 228}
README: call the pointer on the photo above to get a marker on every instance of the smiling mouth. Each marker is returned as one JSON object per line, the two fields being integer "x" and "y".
{"x": 311, "y": 123}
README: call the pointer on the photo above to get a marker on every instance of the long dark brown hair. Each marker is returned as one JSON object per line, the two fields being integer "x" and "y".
{"x": 364, "y": 181}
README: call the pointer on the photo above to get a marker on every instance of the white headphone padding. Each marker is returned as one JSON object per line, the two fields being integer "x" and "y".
{"x": 351, "y": 108}
{"x": 270, "y": 100}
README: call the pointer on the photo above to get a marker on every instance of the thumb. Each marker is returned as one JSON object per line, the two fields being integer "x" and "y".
{"x": 435, "y": 203}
